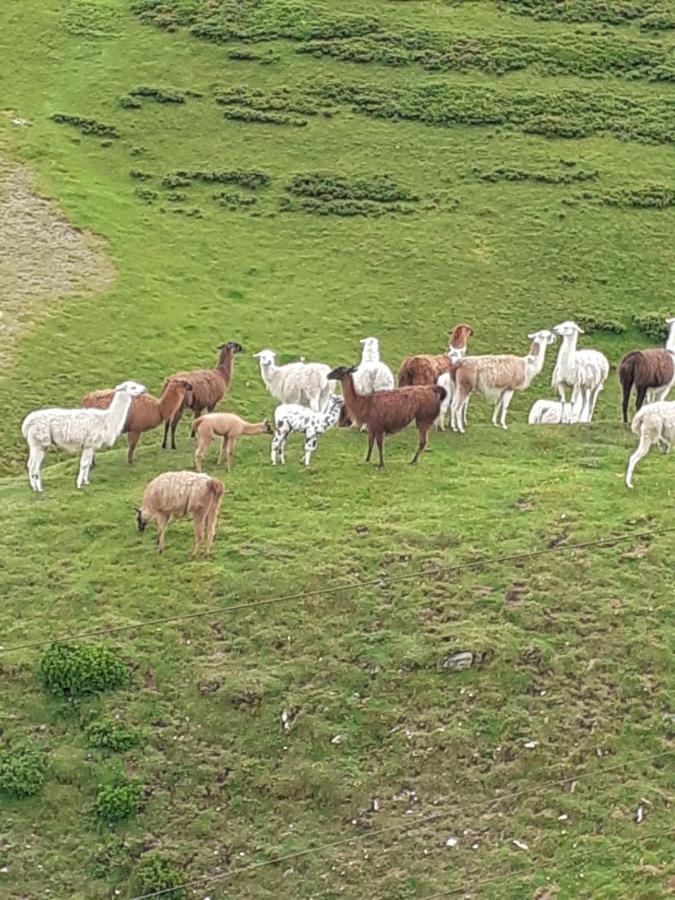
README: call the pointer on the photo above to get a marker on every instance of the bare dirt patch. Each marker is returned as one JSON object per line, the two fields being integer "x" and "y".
{"x": 42, "y": 257}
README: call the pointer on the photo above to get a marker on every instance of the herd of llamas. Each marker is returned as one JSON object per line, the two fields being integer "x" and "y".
{"x": 431, "y": 389}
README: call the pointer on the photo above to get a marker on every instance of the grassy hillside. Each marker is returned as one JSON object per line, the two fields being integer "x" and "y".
{"x": 296, "y": 176}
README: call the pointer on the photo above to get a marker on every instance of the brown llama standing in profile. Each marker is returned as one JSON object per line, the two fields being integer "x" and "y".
{"x": 651, "y": 372}
{"x": 209, "y": 386}
{"x": 146, "y": 412}
{"x": 427, "y": 368}
{"x": 386, "y": 412}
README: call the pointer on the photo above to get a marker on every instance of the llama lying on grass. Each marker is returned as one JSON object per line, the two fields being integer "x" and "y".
{"x": 209, "y": 386}
{"x": 174, "y": 495}
{"x": 386, "y": 412}
{"x": 82, "y": 431}
{"x": 583, "y": 371}
{"x": 652, "y": 372}
{"x": 552, "y": 412}
{"x": 655, "y": 424}
{"x": 371, "y": 375}
{"x": 146, "y": 412}
{"x": 426, "y": 368}
{"x": 303, "y": 383}
{"x": 230, "y": 428}
{"x": 289, "y": 418}
{"x": 497, "y": 378}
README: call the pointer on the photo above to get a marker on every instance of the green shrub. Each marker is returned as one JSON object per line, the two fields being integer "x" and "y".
{"x": 243, "y": 114}
{"x": 75, "y": 669}
{"x": 116, "y": 802}
{"x": 159, "y": 95}
{"x": 156, "y": 873}
{"x": 653, "y": 325}
{"x": 140, "y": 176}
{"x": 242, "y": 177}
{"x": 590, "y": 323}
{"x": 107, "y": 734}
{"x": 22, "y": 771}
{"x": 234, "y": 200}
{"x": 377, "y": 188}
{"x": 147, "y": 196}
{"x": 552, "y": 176}
{"x": 87, "y": 126}
{"x": 127, "y": 102}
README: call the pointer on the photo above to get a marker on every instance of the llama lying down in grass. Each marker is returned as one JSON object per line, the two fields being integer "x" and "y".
{"x": 290, "y": 417}
{"x": 552, "y": 412}
{"x": 82, "y": 431}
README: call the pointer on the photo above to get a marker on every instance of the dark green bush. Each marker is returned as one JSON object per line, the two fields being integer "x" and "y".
{"x": 87, "y": 126}
{"x": 326, "y": 186}
{"x": 243, "y": 114}
{"x": 140, "y": 176}
{"x": 128, "y": 102}
{"x": 553, "y": 176}
{"x": 22, "y": 771}
{"x": 342, "y": 208}
{"x": 234, "y": 200}
{"x": 244, "y": 178}
{"x": 590, "y": 323}
{"x": 156, "y": 873}
{"x": 116, "y": 802}
{"x": 653, "y": 325}
{"x": 75, "y": 669}
{"x": 146, "y": 195}
{"x": 106, "y": 734}
{"x": 159, "y": 95}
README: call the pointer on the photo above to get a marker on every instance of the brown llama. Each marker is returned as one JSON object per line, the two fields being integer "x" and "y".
{"x": 426, "y": 368}
{"x": 386, "y": 412}
{"x": 146, "y": 412}
{"x": 651, "y": 372}
{"x": 230, "y": 428}
{"x": 173, "y": 495}
{"x": 209, "y": 386}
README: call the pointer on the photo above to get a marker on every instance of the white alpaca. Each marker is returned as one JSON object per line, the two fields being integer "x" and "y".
{"x": 372, "y": 374}
{"x": 497, "y": 378}
{"x": 583, "y": 371}
{"x": 447, "y": 381}
{"x": 552, "y": 412}
{"x": 302, "y": 383}
{"x": 290, "y": 417}
{"x": 82, "y": 431}
{"x": 655, "y": 423}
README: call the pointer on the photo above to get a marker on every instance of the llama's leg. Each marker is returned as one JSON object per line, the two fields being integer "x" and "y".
{"x": 495, "y": 411}
{"x": 380, "y": 449}
{"x": 310, "y": 446}
{"x": 85, "y": 465}
{"x": 464, "y": 411}
{"x": 643, "y": 449}
{"x": 174, "y": 425}
{"x": 199, "y": 522}
{"x": 132, "y": 439}
{"x": 423, "y": 432}
{"x": 640, "y": 399}
{"x": 37, "y": 454}
{"x": 162, "y": 522}
{"x": 594, "y": 400}
{"x": 507, "y": 396}
{"x": 221, "y": 452}
{"x": 229, "y": 451}
{"x": 371, "y": 439}
{"x": 200, "y": 452}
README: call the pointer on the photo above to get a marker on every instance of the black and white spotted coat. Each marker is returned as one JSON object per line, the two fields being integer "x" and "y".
{"x": 291, "y": 417}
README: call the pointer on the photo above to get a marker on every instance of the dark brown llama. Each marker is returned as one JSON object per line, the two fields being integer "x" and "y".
{"x": 386, "y": 412}
{"x": 426, "y": 368}
{"x": 209, "y": 386}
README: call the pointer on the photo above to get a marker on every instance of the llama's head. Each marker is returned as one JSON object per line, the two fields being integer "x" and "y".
{"x": 266, "y": 357}
{"x": 131, "y": 388}
{"x": 267, "y": 427}
{"x": 340, "y": 373}
{"x": 230, "y": 347}
{"x": 183, "y": 384}
{"x": 566, "y": 329}
{"x": 543, "y": 337}
{"x": 370, "y": 345}
{"x": 670, "y": 322}
{"x": 141, "y": 521}
{"x": 459, "y": 336}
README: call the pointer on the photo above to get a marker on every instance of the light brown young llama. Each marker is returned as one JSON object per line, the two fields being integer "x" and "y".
{"x": 173, "y": 495}
{"x": 146, "y": 412}
{"x": 230, "y": 428}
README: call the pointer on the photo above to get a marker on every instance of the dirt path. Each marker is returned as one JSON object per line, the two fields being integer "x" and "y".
{"x": 42, "y": 257}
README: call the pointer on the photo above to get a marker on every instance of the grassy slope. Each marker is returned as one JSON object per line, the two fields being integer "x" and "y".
{"x": 580, "y": 669}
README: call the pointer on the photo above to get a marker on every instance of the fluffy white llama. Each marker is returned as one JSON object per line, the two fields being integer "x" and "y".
{"x": 82, "y": 431}
{"x": 552, "y": 412}
{"x": 497, "y": 378}
{"x": 583, "y": 371}
{"x": 302, "y": 383}
{"x": 655, "y": 424}
{"x": 372, "y": 374}
{"x": 290, "y": 417}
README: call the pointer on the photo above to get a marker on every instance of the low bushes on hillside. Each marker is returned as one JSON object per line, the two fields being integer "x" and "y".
{"x": 157, "y": 873}
{"x": 119, "y": 801}
{"x": 653, "y": 325}
{"x": 75, "y": 669}
{"x": 22, "y": 771}
{"x": 87, "y": 126}
{"x": 107, "y": 734}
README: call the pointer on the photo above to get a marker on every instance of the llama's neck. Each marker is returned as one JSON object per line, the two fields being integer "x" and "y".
{"x": 268, "y": 371}
{"x": 670, "y": 343}
{"x": 332, "y": 415}
{"x": 568, "y": 348}
{"x": 226, "y": 365}
{"x": 355, "y": 403}
{"x": 253, "y": 428}
{"x": 456, "y": 352}
{"x": 116, "y": 416}
{"x": 169, "y": 402}
{"x": 534, "y": 361}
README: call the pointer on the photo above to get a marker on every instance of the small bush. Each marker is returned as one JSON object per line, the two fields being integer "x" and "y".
{"x": 128, "y": 102}
{"x": 243, "y": 114}
{"x": 140, "y": 176}
{"x": 156, "y": 873}
{"x": 75, "y": 669}
{"x": 377, "y": 188}
{"x": 118, "y": 801}
{"x": 159, "y": 95}
{"x": 22, "y": 771}
{"x": 106, "y": 734}
{"x": 234, "y": 200}
{"x": 242, "y": 177}
{"x": 146, "y": 195}
{"x": 87, "y": 126}
{"x": 653, "y": 325}
{"x": 589, "y": 324}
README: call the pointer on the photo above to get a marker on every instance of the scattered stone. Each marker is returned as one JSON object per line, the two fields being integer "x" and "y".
{"x": 521, "y": 845}
{"x": 337, "y": 739}
{"x": 459, "y": 661}
{"x": 452, "y": 842}
{"x": 530, "y": 745}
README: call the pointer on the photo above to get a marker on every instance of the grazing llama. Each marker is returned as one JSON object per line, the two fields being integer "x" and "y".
{"x": 652, "y": 372}
{"x": 583, "y": 371}
{"x": 230, "y": 428}
{"x": 386, "y": 412}
{"x": 173, "y": 495}
{"x": 655, "y": 424}
{"x": 497, "y": 378}
{"x": 146, "y": 412}
{"x": 426, "y": 368}
{"x": 209, "y": 386}
{"x": 303, "y": 383}
{"x": 290, "y": 417}
{"x": 82, "y": 431}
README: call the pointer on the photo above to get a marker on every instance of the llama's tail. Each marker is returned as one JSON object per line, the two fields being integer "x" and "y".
{"x": 216, "y": 489}
{"x": 441, "y": 391}
{"x": 627, "y": 378}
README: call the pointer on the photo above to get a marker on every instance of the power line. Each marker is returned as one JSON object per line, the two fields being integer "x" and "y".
{"x": 534, "y": 868}
{"x": 405, "y": 828}
{"x": 318, "y": 592}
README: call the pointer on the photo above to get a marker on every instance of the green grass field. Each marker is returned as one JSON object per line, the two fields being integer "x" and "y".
{"x": 527, "y": 149}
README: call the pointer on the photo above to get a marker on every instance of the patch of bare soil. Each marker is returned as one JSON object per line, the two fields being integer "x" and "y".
{"x": 42, "y": 257}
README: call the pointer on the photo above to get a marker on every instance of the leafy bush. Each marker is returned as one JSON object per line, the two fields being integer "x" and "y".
{"x": 159, "y": 95}
{"x": 244, "y": 178}
{"x": 86, "y": 126}
{"x": 234, "y": 200}
{"x": 157, "y": 873}
{"x": 140, "y": 176}
{"x": 378, "y": 188}
{"x": 22, "y": 771}
{"x": 127, "y": 102}
{"x": 342, "y": 208}
{"x": 146, "y": 195}
{"x": 243, "y": 114}
{"x": 119, "y": 801}
{"x": 75, "y": 669}
{"x": 106, "y": 734}
{"x": 653, "y": 325}
{"x": 505, "y": 173}
{"x": 589, "y": 324}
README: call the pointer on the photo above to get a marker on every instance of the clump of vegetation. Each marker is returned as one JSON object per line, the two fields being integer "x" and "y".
{"x": 244, "y": 114}
{"x": 128, "y": 102}
{"x": 22, "y": 771}
{"x": 653, "y": 325}
{"x": 146, "y": 195}
{"x": 245, "y": 55}
{"x": 86, "y": 126}
{"x": 157, "y": 873}
{"x": 343, "y": 208}
{"x": 176, "y": 197}
{"x": 159, "y": 95}
{"x": 591, "y": 323}
{"x": 278, "y": 101}
{"x": 107, "y": 734}
{"x": 75, "y": 669}
{"x": 139, "y": 175}
{"x": 119, "y": 801}
{"x": 651, "y": 196}
{"x": 89, "y": 19}
{"x": 243, "y": 177}
{"x": 550, "y": 176}
{"x": 326, "y": 186}
{"x": 234, "y": 200}
{"x": 613, "y": 12}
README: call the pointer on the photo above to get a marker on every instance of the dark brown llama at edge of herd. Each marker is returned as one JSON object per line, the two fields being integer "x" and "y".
{"x": 651, "y": 372}
{"x": 387, "y": 412}
{"x": 209, "y": 386}
{"x": 427, "y": 368}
